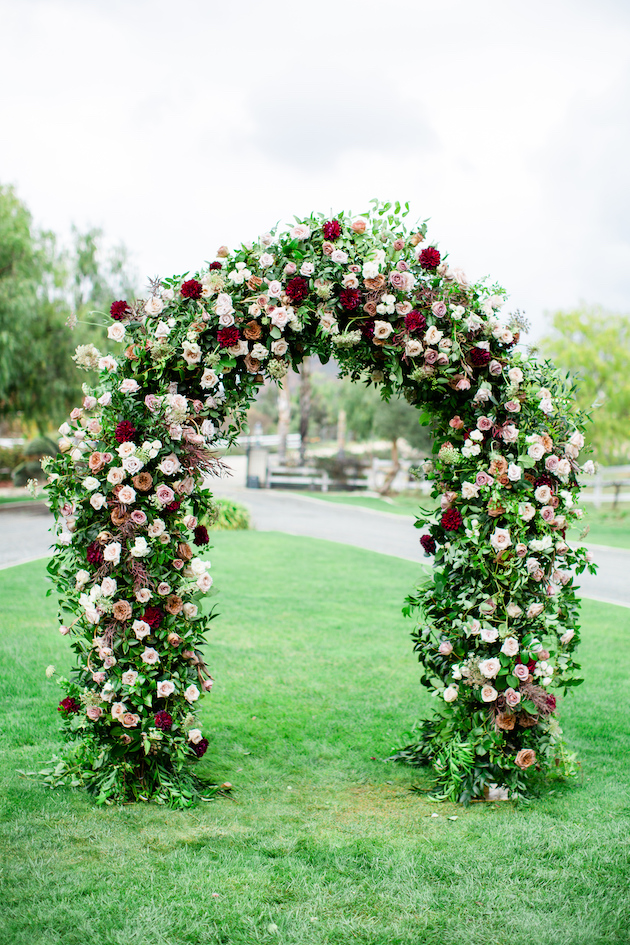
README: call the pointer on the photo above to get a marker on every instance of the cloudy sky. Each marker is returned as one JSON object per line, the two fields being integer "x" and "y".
{"x": 180, "y": 126}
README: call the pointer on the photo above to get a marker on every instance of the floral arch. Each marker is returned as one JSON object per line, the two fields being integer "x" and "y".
{"x": 497, "y": 621}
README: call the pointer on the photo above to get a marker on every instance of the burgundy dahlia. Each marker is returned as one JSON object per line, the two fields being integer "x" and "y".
{"x": 125, "y": 431}
{"x": 119, "y": 310}
{"x": 428, "y": 543}
{"x": 297, "y": 289}
{"x": 332, "y": 229}
{"x": 228, "y": 337}
{"x": 367, "y": 329}
{"x": 163, "y": 720}
{"x": 153, "y": 616}
{"x": 173, "y": 506}
{"x": 191, "y": 289}
{"x": 479, "y": 357}
{"x": 68, "y": 705}
{"x": 201, "y": 535}
{"x": 429, "y": 258}
{"x": 544, "y": 480}
{"x": 200, "y": 748}
{"x": 415, "y": 321}
{"x": 452, "y": 520}
{"x": 551, "y": 703}
{"x": 215, "y": 265}
{"x": 94, "y": 553}
{"x": 350, "y": 298}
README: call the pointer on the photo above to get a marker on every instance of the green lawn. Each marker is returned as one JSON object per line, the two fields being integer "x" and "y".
{"x": 606, "y": 526}
{"x": 322, "y": 841}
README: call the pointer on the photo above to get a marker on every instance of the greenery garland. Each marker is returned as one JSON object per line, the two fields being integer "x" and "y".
{"x": 498, "y": 618}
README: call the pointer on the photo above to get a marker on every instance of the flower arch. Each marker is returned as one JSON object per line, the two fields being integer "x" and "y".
{"x": 497, "y": 621}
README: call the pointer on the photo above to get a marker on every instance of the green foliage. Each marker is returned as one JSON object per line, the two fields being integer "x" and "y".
{"x": 228, "y": 515}
{"x": 593, "y": 345}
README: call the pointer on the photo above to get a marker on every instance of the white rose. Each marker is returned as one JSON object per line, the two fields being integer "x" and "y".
{"x": 108, "y": 587}
{"x": 154, "y": 305}
{"x": 192, "y": 693}
{"x": 488, "y": 634}
{"x": 280, "y": 317}
{"x": 489, "y": 694}
{"x": 514, "y": 472}
{"x": 279, "y": 347}
{"x": 129, "y": 386}
{"x": 516, "y": 376}
{"x": 107, "y": 363}
{"x": 209, "y": 378}
{"x": 91, "y": 483}
{"x": 470, "y": 490}
{"x": 328, "y": 322}
{"x": 111, "y": 552}
{"x": 382, "y": 330}
{"x": 165, "y": 689}
{"x": 527, "y": 511}
{"x": 226, "y": 321}
{"x": 338, "y": 256}
{"x": 433, "y": 335}
{"x": 204, "y": 583}
{"x": 413, "y": 348}
{"x": 163, "y": 330}
{"x": 260, "y": 352}
{"x": 116, "y": 332}
{"x": 266, "y": 260}
{"x": 156, "y": 528}
{"x": 274, "y": 289}
{"x": 223, "y": 305}
{"x": 141, "y": 548}
{"x": 195, "y": 735}
{"x": 510, "y": 646}
{"x": 300, "y": 232}
{"x": 489, "y": 668}
{"x": 451, "y": 693}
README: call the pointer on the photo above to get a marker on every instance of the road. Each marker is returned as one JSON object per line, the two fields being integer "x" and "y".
{"x": 24, "y": 534}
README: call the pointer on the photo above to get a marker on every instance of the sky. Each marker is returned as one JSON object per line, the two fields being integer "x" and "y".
{"x": 177, "y": 127}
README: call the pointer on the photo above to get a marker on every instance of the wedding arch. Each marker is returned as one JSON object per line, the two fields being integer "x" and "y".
{"x": 497, "y": 620}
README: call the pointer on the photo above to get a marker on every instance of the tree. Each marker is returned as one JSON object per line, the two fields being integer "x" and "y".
{"x": 593, "y": 346}
{"x": 44, "y": 290}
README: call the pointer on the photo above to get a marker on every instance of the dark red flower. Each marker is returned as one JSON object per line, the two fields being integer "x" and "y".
{"x": 415, "y": 321}
{"x": 163, "y": 720}
{"x": 68, "y": 705}
{"x": 201, "y": 535}
{"x": 428, "y": 543}
{"x": 200, "y": 748}
{"x": 173, "y": 506}
{"x": 119, "y": 310}
{"x": 153, "y": 616}
{"x": 215, "y": 265}
{"x": 125, "y": 431}
{"x": 544, "y": 480}
{"x": 367, "y": 329}
{"x": 551, "y": 703}
{"x": 297, "y": 289}
{"x": 228, "y": 336}
{"x": 94, "y": 553}
{"x": 332, "y": 229}
{"x": 452, "y": 520}
{"x": 429, "y": 258}
{"x": 350, "y": 298}
{"x": 479, "y": 357}
{"x": 191, "y": 289}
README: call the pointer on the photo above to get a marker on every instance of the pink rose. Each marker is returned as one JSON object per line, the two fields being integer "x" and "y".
{"x": 495, "y": 368}
{"x": 484, "y": 423}
{"x": 290, "y": 269}
{"x": 534, "y": 610}
{"x": 178, "y": 564}
{"x": 456, "y": 423}
{"x": 512, "y": 697}
{"x": 165, "y": 494}
{"x": 521, "y": 550}
{"x": 430, "y": 356}
{"x": 94, "y": 712}
{"x": 138, "y": 517}
{"x": 359, "y": 225}
{"x": 521, "y": 671}
{"x": 510, "y": 646}
{"x": 513, "y": 406}
{"x": 439, "y": 309}
{"x": 99, "y": 678}
{"x": 483, "y": 479}
{"x": 445, "y": 648}
{"x": 548, "y": 513}
{"x": 398, "y": 245}
{"x": 129, "y": 720}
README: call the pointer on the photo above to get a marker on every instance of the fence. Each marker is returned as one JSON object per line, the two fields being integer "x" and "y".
{"x": 609, "y": 484}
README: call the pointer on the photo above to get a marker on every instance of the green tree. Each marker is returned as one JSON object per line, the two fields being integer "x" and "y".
{"x": 593, "y": 346}
{"x": 44, "y": 291}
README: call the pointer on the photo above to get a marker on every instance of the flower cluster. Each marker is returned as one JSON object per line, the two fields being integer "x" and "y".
{"x": 499, "y": 616}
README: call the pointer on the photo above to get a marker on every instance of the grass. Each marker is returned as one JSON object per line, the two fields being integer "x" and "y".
{"x": 607, "y": 526}
{"x": 323, "y": 841}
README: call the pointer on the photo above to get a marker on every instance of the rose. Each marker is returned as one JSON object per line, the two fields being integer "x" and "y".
{"x": 338, "y": 256}
{"x": 98, "y": 500}
{"x": 439, "y": 309}
{"x": 548, "y": 513}
{"x": 470, "y": 490}
{"x": 450, "y": 693}
{"x": 280, "y": 317}
{"x": 510, "y": 646}
{"x": 489, "y": 693}
{"x": 543, "y": 494}
{"x": 150, "y": 656}
{"x": 300, "y": 232}
{"x": 141, "y": 548}
{"x": 525, "y": 758}
{"x": 488, "y": 634}
{"x": 536, "y": 451}
{"x": 118, "y": 710}
{"x": 433, "y": 335}
{"x": 567, "y": 637}
{"x": 129, "y": 386}
{"x": 514, "y": 472}
{"x": 129, "y": 720}
{"x": 526, "y": 510}
{"x": 484, "y": 423}
{"x": 500, "y": 539}
{"x": 116, "y": 475}
{"x": 164, "y": 494}
{"x": 129, "y": 677}
{"x": 122, "y": 610}
{"x": 489, "y": 668}
{"x": 94, "y": 712}
{"x": 190, "y": 611}
{"x": 413, "y": 348}
{"x": 154, "y": 305}
{"x": 483, "y": 479}
{"x": 521, "y": 672}
{"x": 165, "y": 689}
{"x": 278, "y": 347}
{"x": 204, "y": 583}
{"x": 445, "y": 648}
{"x": 140, "y": 628}
{"x": 495, "y": 368}
{"x": 513, "y": 406}
{"x": 127, "y": 495}
{"x": 192, "y": 693}
{"x": 359, "y": 225}
{"x": 111, "y": 552}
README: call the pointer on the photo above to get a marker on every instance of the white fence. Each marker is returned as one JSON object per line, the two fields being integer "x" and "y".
{"x": 609, "y": 484}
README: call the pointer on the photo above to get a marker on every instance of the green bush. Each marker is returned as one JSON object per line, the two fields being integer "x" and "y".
{"x": 30, "y": 467}
{"x": 228, "y": 515}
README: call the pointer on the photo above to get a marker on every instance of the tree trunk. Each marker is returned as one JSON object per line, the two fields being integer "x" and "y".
{"x": 392, "y": 473}
{"x": 284, "y": 418}
{"x": 305, "y": 405}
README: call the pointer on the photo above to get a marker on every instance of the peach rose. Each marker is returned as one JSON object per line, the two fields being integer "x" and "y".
{"x": 525, "y": 758}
